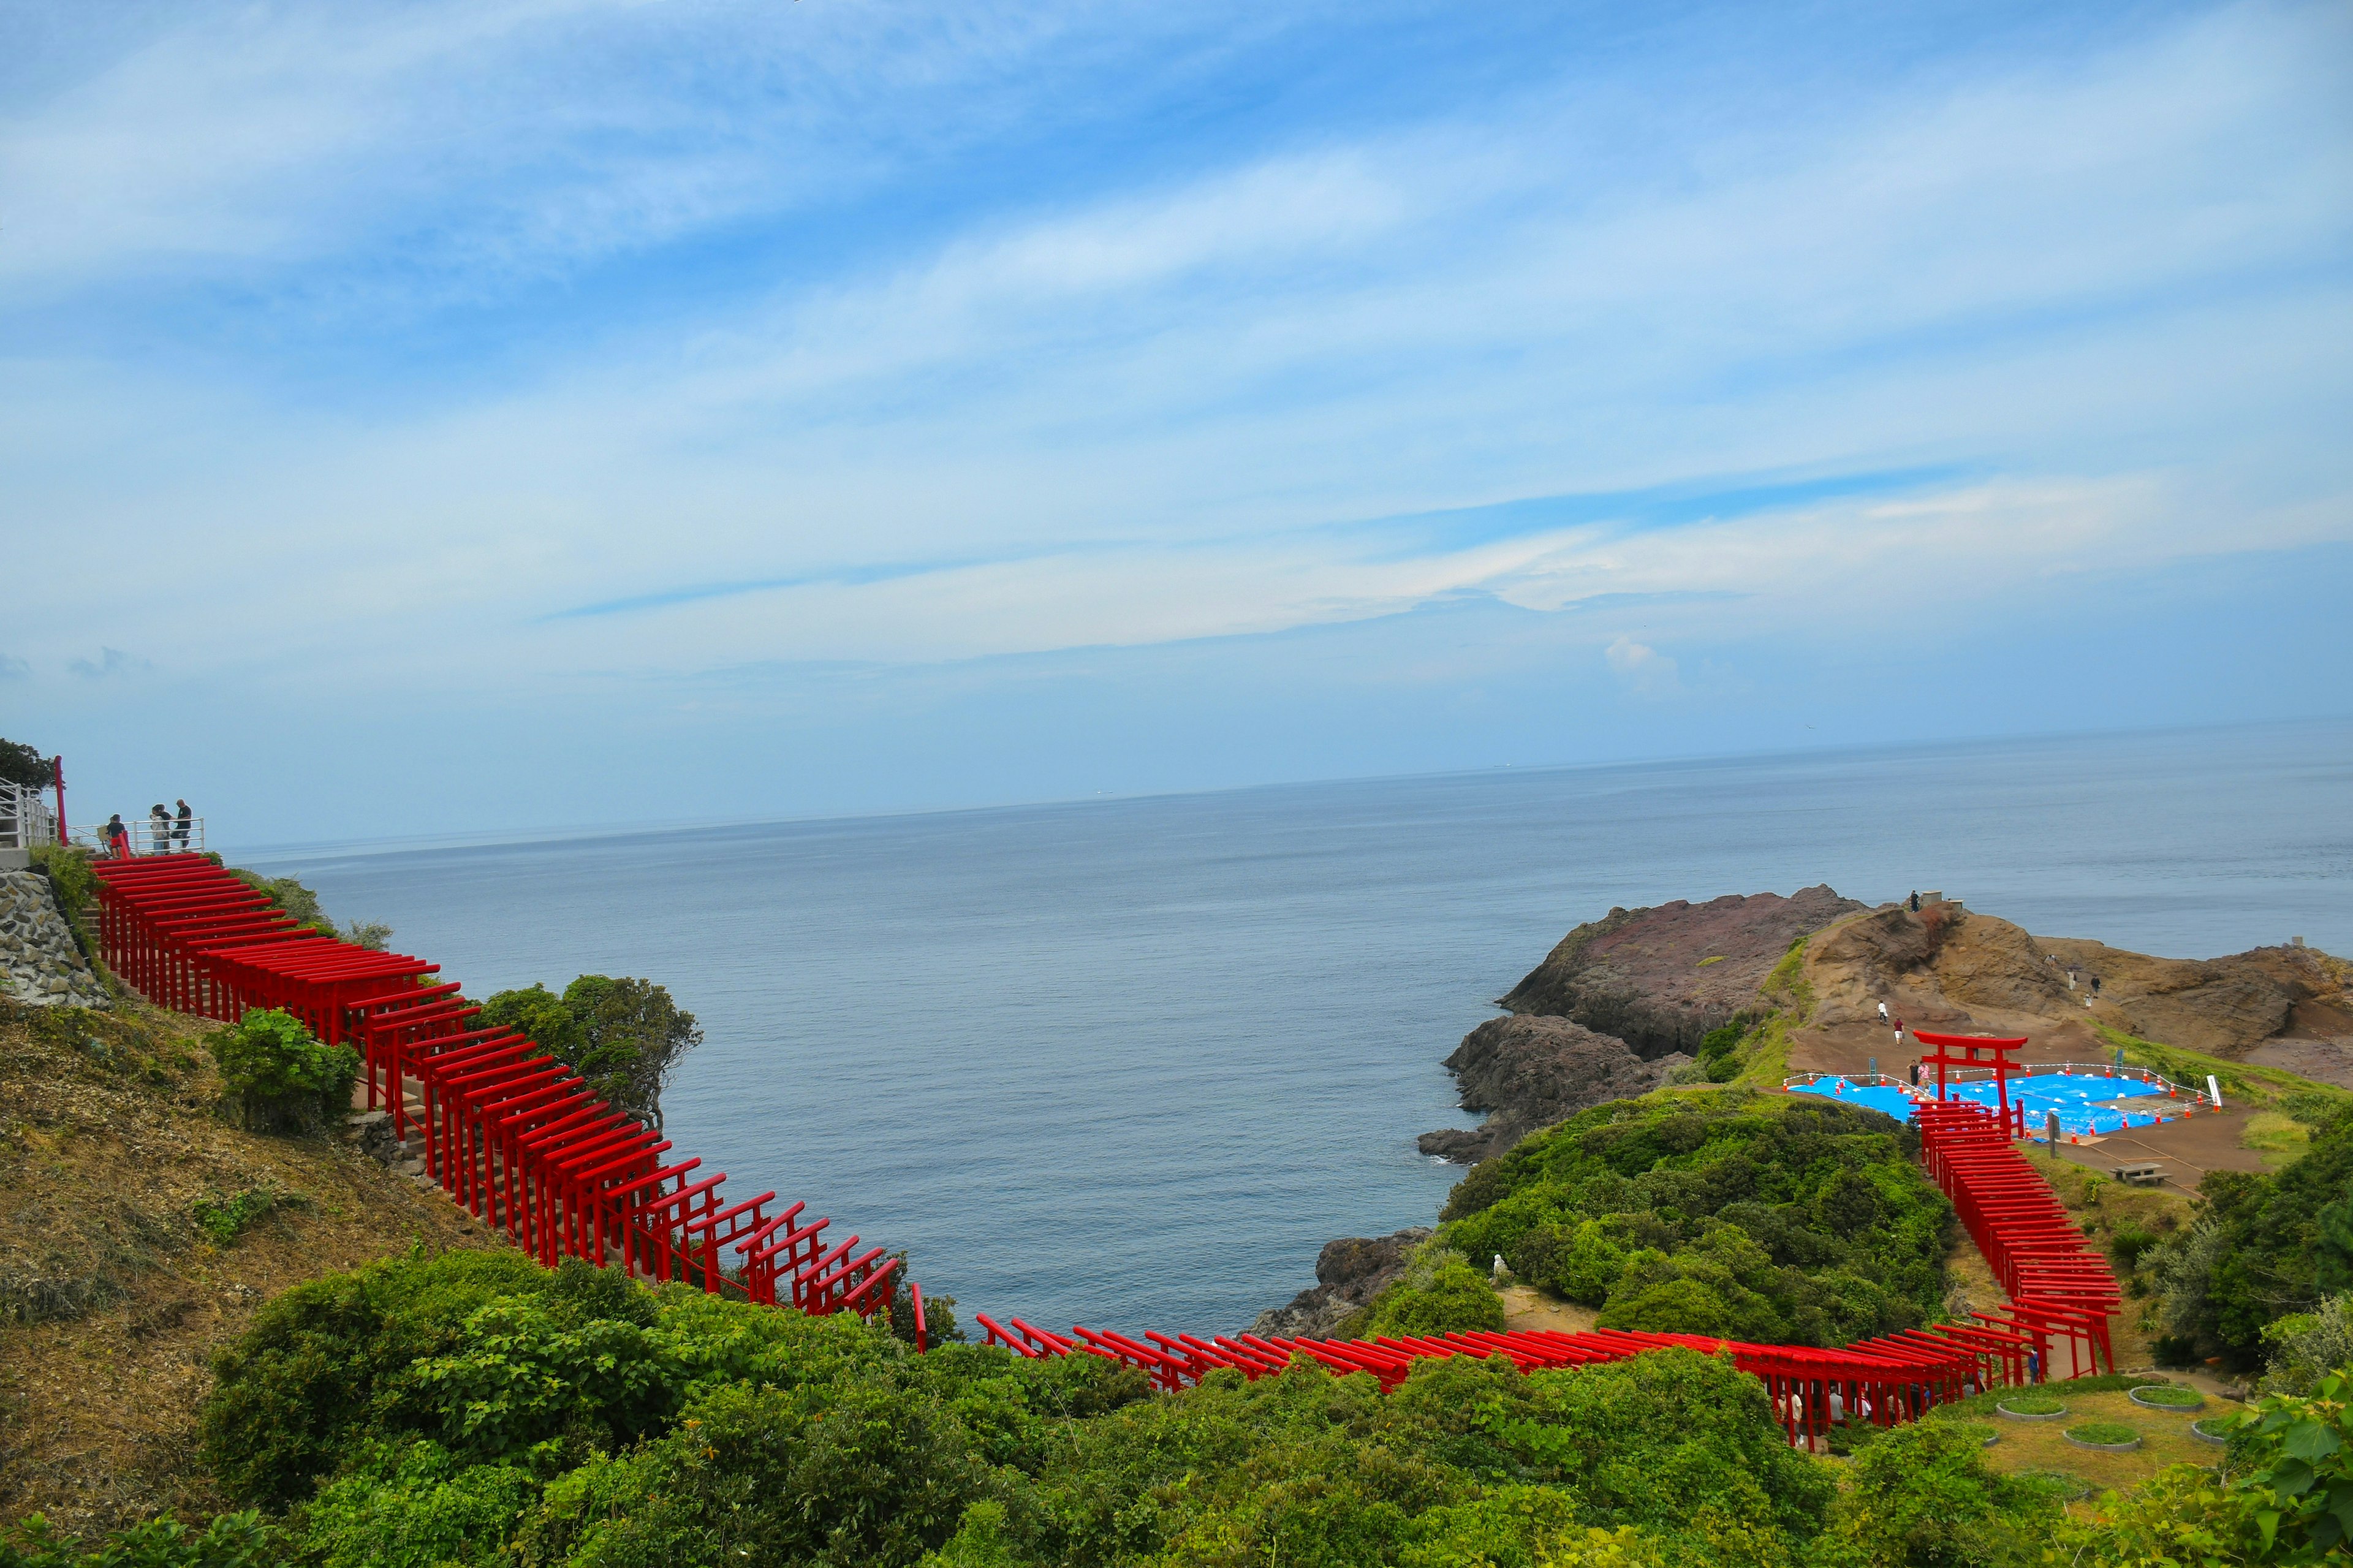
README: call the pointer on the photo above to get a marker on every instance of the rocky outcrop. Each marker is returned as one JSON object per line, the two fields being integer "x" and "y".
{"x": 2223, "y": 1006}
{"x": 1660, "y": 978}
{"x": 1530, "y": 1072}
{"x": 1349, "y": 1273}
{"x": 39, "y": 963}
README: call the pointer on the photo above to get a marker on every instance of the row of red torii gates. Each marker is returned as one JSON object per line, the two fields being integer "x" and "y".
{"x": 519, "y": 1141}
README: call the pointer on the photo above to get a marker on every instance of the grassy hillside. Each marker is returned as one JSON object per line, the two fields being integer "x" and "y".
{"x": 139, "y": 1233}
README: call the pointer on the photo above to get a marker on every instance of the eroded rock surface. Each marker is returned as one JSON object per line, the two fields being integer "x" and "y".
{"x": 1349, "y": 1273}
{"x": 1660, "y": 978}
{"x": 1530, "y": 1072}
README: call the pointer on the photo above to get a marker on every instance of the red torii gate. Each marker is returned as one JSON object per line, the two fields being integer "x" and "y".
{"x": 2004, "y": 1067}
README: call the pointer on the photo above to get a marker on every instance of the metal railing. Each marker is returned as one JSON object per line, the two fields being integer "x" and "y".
{"x": 26, "y": 818}
{"x": 146, "y": 836}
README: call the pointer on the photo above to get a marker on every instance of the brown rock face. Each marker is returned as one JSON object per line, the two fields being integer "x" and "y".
{"x": 1532, "y": 1072}
{"x": 1660, "y": 978}
{"x": 2224, "y": 1007}
{"x": 1942, "y": 965}
{"x": 1349, "y": 1273}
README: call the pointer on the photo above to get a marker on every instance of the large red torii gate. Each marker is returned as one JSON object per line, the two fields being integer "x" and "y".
{"x": 2004, "y": 1066}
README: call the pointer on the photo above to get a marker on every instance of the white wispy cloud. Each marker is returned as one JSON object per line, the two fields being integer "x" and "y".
{"x": 1147, "y": 410}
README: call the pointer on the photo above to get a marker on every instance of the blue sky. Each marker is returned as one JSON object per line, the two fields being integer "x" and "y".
{"x": 437, "y": 417}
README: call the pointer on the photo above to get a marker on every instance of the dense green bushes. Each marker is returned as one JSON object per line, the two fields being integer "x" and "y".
{"x": 2263, "y": 1245}
{"x": 624, "y": 1036}
{"x": 474, "y": 1409}
{"x": 1759, "y": 1217}
{"x": 452, "y": 1409}
{"x": 278, "y": 1076}
{"x": 1439, "y": 1293}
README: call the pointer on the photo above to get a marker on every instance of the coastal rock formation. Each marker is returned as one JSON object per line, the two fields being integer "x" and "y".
{"x": 1530, "y": 1072}
{"x": 1942, "y": 965}
{"x": 1349, "y": 1273}
{"x": 1660, "y": 978}
{"x": 2223, "y": 1006}
{"x": 40, "y": 964}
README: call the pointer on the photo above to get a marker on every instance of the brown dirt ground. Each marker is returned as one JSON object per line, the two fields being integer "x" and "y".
{"x": 1528, "y": 1307}
{"x": 112, "y": 1302}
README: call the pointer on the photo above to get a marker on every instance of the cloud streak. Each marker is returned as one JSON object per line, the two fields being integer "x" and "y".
{"x": 512, "y": 348}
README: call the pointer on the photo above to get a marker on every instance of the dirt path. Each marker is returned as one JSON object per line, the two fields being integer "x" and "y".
{"x": 1525, "y": 1307}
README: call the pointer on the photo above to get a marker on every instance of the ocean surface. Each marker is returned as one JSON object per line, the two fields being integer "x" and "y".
{"x": 1131, "y": 1062}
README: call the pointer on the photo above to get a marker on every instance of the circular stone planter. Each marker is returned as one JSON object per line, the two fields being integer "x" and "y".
{"x": 2103, "y": 1448}
{"x": 2058, "y": 1415}
{"x": 2197, "y": 1430}
{"x": 2176, "y": 1404}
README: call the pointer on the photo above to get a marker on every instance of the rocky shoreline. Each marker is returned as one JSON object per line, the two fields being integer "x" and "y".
{"x": 1622, "y": 1004}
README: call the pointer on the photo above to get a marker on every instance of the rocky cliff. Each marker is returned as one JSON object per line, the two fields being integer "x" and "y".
{"x": 1660, "y": 978}
{"x": 1530, "y": 1072}
{"x": 1349, "y": 1273}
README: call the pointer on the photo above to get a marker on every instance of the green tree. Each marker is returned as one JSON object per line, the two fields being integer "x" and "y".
{"x": 21, "y": 764}
{"x": 2263, "y": 1247}
{"x": 624, "y": 1036}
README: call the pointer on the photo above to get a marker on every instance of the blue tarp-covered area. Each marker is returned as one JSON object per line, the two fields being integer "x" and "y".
{"x": 2082, "y": 1099}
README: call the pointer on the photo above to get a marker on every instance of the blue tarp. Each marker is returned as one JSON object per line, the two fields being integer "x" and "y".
{"x": 2076, "y": 1098}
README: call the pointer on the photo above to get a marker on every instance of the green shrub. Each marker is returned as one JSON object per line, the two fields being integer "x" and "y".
{"x": 1763, "y": 1218}
{"x": 2303, "y": 1347}
{"x": 2263, "y": 1245}
{"x": 279, "y": 1076}
{"x": 298, "y": 1390}
{"x": 2185, "y": 1397}
{"x": 1923, "y": 1497}
{"x": 231, "y": 1541}
{"x": 226, "y": 1219}
{"x": 2032, "y": 1403}
{"x": 72, "y": 881}
{"x": 414, "y": 1507}
{"x": 1438, "y": 1294}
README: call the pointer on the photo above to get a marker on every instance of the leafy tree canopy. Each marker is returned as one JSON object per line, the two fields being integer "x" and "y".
{"x": 21, "y": 764}
{"x": 1762, "y": 1217}
{"x": 624, "y": 1036}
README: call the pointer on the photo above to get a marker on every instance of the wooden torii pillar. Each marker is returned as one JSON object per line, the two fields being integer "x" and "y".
{"x": 2001, "y": 1053}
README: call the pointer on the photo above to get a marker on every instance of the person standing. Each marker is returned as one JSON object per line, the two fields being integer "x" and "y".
{"x": 1916, "y": 900}
{"x": 118, "y": 837}
{"x": 180, "y": 826}
{"x": 159, "y": 830}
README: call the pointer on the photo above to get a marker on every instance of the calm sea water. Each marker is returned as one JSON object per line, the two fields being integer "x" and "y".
{"x": 1133, "y": 1062}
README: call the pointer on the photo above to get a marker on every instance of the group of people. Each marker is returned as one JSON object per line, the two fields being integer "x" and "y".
{"x": 166, "y": 833}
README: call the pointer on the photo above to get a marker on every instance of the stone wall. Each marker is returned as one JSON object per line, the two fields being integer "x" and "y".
{"x": 38, "y": 961}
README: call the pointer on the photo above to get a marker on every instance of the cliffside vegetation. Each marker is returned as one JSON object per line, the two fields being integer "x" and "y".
{"x": 478, "y": 1410}
{"x": 2262, "y": 1246}
{"x": 1718, "y": 1211}
{"x": 624, "y": 1036}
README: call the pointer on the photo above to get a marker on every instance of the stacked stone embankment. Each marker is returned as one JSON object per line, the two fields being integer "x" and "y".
{"x": 40, "y": 961}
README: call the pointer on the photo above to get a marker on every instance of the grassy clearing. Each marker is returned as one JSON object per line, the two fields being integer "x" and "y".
{"x": 2280, "y": 1138}
{"x": 2026, "y": 1447}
